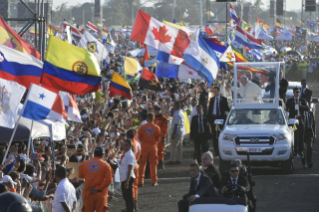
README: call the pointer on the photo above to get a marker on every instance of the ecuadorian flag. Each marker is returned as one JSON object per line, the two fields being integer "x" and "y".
{"x": 119, "y": 86}
{"x": 70, "y": 68}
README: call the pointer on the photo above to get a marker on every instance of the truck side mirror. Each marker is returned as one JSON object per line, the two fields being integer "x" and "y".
{"x": 219, "y": 121}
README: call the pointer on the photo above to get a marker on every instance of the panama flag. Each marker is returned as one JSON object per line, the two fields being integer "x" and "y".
{"x": 92, "y": 26}
{"x": 208, "y": 29}
{"x": 44, "y": 104}
{"x": 232, "y": 14}
{"x": 71, "y": 107}
{"x": 163, "y": 37}
{"x": 246, "y": 39}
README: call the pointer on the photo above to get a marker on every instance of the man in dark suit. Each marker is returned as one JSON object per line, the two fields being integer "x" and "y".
{"x": 305, "y": 93}
{"x": 199, "y": 133}
{"x": 283, "y": 86}
{"x": 209, "y": 169}
{"x": 297, "y": 108}
{"x": 310, "y": 135}
{"x": 238, "y": 181}
{"x": 203, "y": 97}
{"x": 201, "y": 186}
{"x": 218, "y": 109}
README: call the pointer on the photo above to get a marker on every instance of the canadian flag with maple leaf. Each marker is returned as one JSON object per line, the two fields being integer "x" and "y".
{"x": 165, "y": 38}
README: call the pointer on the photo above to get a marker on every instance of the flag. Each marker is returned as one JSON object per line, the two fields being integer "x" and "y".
{"x": 94, "y": 46}
{"x": 205, "y": 61}
{"x": 32, "y": 33}
{"x": 74, "y": 31}
{"x": 239, "y": 57}
{"x": 183, "y": 24}
{"x": 228, "y": 56}
{"x": 146, "y": 56}
{"x": 11, "y": 94}
{"x": 119, "y": 86}
{"x": 151, "y": 32}
{"x": 246, "y": 39}
{"x": 246, "y": 26}
{"x": 232, "y": 14}
{"x": 210, "y": 13}
{"x": 131, "y": 67}
{"x": 44, "y": 104}
{"x": 278, "y": 21}
{"x": 148, "y": 80}
{"x": 168, "y": 58}
{"x": 105, "y": 29}
{"x": 19, "y": 67}
{"x": 92, "y": 26}
{"x": 71, "y": 107}
{"x": 9, "y": 38}
{"x": 181, "y": 71}
{"x": 109, "y": 43}
{"x": 217, "y": 48}
{"x": 70, "y": 68}
{"x": 208, "y": 29}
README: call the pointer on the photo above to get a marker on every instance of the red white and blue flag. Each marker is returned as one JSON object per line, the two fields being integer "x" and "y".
{"x": 74, "y": 31}
{"x": 232, "y": 14}
{"x": 19, "y": 67}
{"x": 71, "y": 107}
{"x": 92, "y": 26}
{"x": 154, "y": 33}
{"x": 246, "y": 39}
{"x": 208, "y": 29}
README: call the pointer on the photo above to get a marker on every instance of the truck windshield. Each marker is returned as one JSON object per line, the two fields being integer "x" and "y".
{"x": 256, "y": 116}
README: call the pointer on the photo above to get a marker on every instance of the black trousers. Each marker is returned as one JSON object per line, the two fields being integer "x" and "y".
{"x": 299, "y": 137}
{"x": 128, "y": 195}
{"x": 183, "y": 205}
{"x": 201, "y": 145}
{"x": 215, "y": 134}
{"x": 308, "y": 151}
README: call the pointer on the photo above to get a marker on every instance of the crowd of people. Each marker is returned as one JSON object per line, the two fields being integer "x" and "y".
{"x": 122, "y": 141}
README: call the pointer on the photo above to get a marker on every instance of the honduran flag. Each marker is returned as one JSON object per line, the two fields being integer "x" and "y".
{"x": 119, "y": 86}
{"x": 71, "y": 107}
{"x": 11, "y": 39}
{"x": 163, "y": 37}
{"x": 246, "y": 39}
{"x": 44, "y": 104}
{"x": 208, "y": 29}
{"x": 19, "y": 67}
{"x": 74, "y": 31}
{"x": 92, "y": 26}
{"x": 232, "y": 14}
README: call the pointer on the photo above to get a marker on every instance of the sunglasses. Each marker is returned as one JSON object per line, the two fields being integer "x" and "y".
{"x": 234, "y": 171}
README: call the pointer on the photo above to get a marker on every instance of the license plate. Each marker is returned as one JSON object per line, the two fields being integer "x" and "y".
{"x": 253, "y": 149}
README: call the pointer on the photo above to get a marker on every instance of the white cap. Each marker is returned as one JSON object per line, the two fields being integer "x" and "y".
{"x": 7, "y": 178}
{"x": 96, "y": 131}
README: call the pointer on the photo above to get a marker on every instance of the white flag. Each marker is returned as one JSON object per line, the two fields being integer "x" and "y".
{"x": 10, "y": 96}
{"x": 228, "y": 56}
{"x": 90, "y": 43}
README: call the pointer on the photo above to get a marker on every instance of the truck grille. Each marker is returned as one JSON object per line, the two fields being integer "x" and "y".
{"x": 254, "y": 140}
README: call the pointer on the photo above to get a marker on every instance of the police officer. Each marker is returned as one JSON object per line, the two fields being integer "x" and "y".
{"x": 161, "y": 121}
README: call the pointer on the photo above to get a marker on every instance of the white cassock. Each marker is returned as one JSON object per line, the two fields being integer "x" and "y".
{"x": 250, "y": 92}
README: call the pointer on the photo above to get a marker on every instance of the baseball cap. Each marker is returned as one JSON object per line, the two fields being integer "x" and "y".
{"x": 99, "y": 150}
{"x": 38, "y": 155}
{"x": 156, "y": 107}
{"x": 7, "y": 178}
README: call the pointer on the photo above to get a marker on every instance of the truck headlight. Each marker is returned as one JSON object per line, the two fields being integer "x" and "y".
{"x": 229, "y": 137}
{"x": 280, "y": 137}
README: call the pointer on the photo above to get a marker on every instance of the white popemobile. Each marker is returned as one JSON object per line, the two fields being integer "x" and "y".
{"x": 261, "y": 128}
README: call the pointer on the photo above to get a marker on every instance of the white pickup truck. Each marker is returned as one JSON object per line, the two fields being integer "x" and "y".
{"x": 260, "y": 128}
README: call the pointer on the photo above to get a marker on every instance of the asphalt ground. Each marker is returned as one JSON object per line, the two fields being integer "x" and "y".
{"x": 275, "y": 192}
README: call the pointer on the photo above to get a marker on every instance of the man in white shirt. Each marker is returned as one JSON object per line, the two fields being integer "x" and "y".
{"x": 249, "y": 92}
{"x": 64, "y": 196}
{"x": 194, "y": 112}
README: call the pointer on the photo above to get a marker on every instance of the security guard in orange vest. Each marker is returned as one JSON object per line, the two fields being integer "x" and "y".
{"x": 161, "y": 121}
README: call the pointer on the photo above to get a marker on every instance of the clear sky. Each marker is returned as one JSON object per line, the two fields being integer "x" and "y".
{"x": 291, "y": 4}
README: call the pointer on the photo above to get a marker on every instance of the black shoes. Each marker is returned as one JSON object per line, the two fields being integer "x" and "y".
{"x": 160, "y": 165}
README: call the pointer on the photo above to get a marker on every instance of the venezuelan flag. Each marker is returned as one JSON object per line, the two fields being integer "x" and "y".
{"x": 11, "y": 39}
{"x": 70, "y": 68}
{"x": 119, "y": 86}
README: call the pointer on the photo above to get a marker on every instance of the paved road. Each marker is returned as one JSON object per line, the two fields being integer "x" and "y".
{"x": 275, "y": 192}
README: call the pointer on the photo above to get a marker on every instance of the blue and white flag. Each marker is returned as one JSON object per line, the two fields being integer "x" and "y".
{"x": 168, "y": 58}
{"x": 181, "y": 71}
{"x": 233, "y": 14}
{"x": 205, "y": 62}
{"x": 247, "y": 40}
{"x": 91, "y": 44}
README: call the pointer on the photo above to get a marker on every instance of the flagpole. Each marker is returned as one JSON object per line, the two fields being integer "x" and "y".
{"x": 29, "y": 142}
{"x": 201, "y": 16}
{"x": 15, "y": 129}
{"x": 51, "y": 144}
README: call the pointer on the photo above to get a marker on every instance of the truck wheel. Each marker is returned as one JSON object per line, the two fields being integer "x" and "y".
{"x": 223, "y": 164}
{"x": 287, "y": 166}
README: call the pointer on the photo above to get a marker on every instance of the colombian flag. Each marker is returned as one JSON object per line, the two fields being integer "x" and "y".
{"x": 9, "y": 38}
{"x": 70, "y": 68}
{"x": 119, "y": 86}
